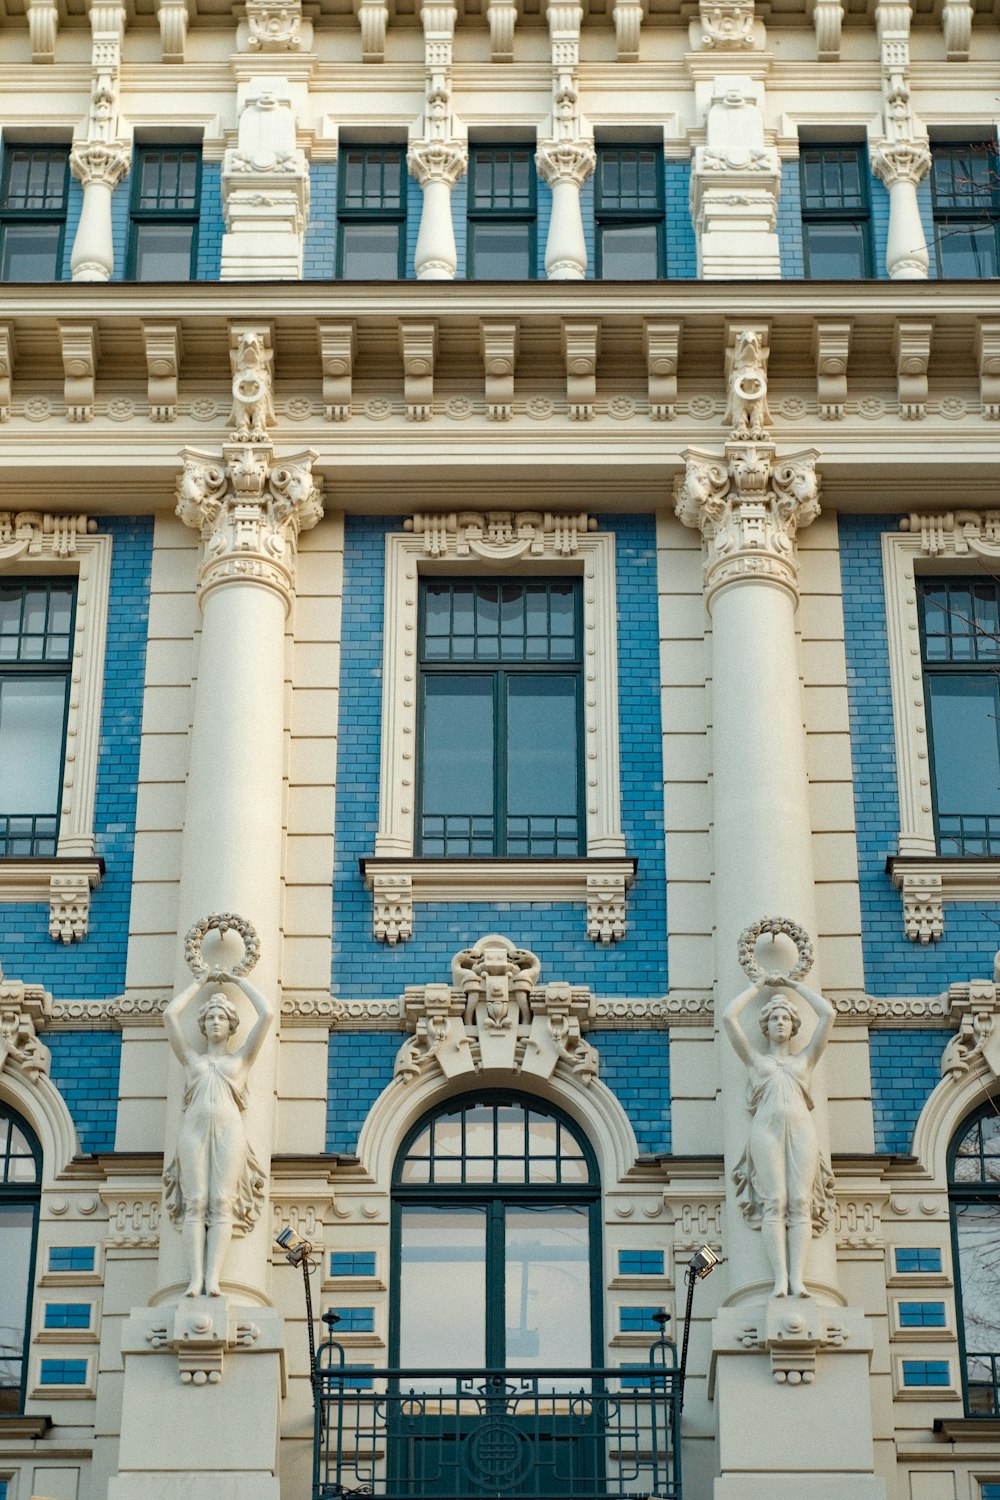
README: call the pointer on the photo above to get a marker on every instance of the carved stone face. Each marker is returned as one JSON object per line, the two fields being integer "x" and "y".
{"x": 779, "y": 1024}
{"x": 216, "y": 1024}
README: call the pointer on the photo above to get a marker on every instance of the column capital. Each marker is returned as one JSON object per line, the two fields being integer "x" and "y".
{"x": 106, "y": 162}
{"x": 437, "y": 161}
{"x": 901, "y": 161}
{"x": 566, "y": 161}
{"x": 249, "y": 509}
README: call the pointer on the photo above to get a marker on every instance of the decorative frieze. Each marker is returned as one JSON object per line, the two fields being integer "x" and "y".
{"x": 38, "y": 534}
{"x": 912, "y": 349}
{"x": 581, "y": 345}
{"x": 499, "y": 344}
{"x": 662, "y": 347}
{"x": 493, "y": 1017}
{"x": 832, "y": 346}
{"x": 418, "y": 346}
{"x": 80, "y": 352}
{"x": 162, "y": 343}
{"x": 133, "y": 1219}
{"x": 265, "y": 188}
{"x": 735, "y": 185}
{"x": 501, "y": 536}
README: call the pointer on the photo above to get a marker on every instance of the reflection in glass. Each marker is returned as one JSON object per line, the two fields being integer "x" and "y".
{"x": 31, "y": 252}
{"x": 458, "y": 745}
{"x": 16, "y": 1226}
{"x": 442, "y": 1260}
{"x": 32, "y": 711}
{"x": 500, "y": 252}
{"x": 835, "y": 252}
{"x": 371, "y": 252}
{"x": 163, "y": 252}
{"x": 547, "y": 1287}
{"x": 964, "y": 729}
{"x": 977, "y": 1232}
{"x": 629, "y": 252}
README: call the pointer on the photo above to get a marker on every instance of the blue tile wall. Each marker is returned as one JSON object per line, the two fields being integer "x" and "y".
{"x": 74, "y": 208}
{"x": 893, "y": 965}
{"x": 556, "y": 932}
{"x": 320, "y": 251}
{"x": 95, "y": 967}
{"x": 544, "y": 207}
{"x": 414, "y": 208}
{"x": 211, "y": 226}
{"x": 460, "y": 219}
{"x": 906, "y": 1066}
{"x": 682, "y": 252}
{"x": 635, "y": 1065}
{"x": 359, "y": 1067}
{"x": 120, "y": 202}
{"x": 793, "y": 266}
{"x": 85, "y": 1067}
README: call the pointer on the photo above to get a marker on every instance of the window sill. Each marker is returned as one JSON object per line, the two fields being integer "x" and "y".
{"x": 397, "y": 884}
{"x": 927, "y": 883}
{"x": 65, "y": 884}
{"x": 968, "y": 1429}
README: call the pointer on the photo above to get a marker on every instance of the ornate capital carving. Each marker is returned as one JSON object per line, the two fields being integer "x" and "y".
{"x": 901, "y": 161}
{"x": 106, "y": 162}
{"x": 492, "y": 1017}
{"x": 726, "y": 25}
{"x": 274, "y": 25}
{"x": 500, "y": 535}
{"x": 437, "y": 161}
{"x": 565, "y": 161}
{"x": 24, "y": 1008}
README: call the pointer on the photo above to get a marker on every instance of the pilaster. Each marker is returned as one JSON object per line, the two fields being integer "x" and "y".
{"x": 265, "y": 188}
{"x": 902, "y": 158}
{"x": 438, "y": 155}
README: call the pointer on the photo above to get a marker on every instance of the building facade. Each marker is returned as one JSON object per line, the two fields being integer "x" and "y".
{"x": 498, "y": 554}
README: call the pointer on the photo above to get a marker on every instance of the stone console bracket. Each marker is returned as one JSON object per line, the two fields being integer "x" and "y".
{"x": 65, "y": 884}
{"x": 927, "y": 884}
{"x": 397, "y": 884}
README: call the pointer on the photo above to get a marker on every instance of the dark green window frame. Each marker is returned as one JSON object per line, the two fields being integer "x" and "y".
{"x": 495, "y": 1196}
{"x": 173, "y": 201}
{"x": 374, "y": 204}
{"x": 36, "y": 200}
{"x": 974, "y": 1183}
{"x": 960, "y": 638}
{"x": 31, "y": 654}
{"x": 620, "y": 201}
{"x": 828, "y": 200}
{"x": 496, "y": 198}
{"x": 501, "y": 833}
{"x": 20, "y": 1196}
{"x": 965, "y": 193}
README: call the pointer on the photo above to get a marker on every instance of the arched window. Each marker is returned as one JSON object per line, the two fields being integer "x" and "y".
{"x": 20, "y": 1178}
{"x": 496, "y": 1239}
{"x": 974, "y": 1189}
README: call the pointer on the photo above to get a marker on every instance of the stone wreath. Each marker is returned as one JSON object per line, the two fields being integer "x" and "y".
{"x": 774, "y": 926}
{"x": 222, "y": 922}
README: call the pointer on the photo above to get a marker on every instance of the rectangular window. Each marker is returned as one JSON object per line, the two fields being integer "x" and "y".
{"x": 990, "y": 1490}
{"x": 836, "y": 230}
{"x": 71, "y": 1257}
{"x": 372, "y": 213}
{"x": 912, "y": 1261}
{"x": 36, "y": 648}
{"x": 638, "y": 1320}
{"x": 628, "y": 204}
{"x": 926, "y": 1372}
{"x": 965, "y": 190}
{"x": 63, "y": 1372}
{"x": 921, "y": 1315}
{"x": 501, "y": 213}
{"x": 640, "y": 1262}
{"x": 960, "y": 640}
{"x": 33, "y": 190}
{"x": 352, "y": 1263}
{"x": 500, "y": 707}
{"x": 68, "y": 1314}
{"x": 163, "y": 237}
{"x": 354, "y": 1320}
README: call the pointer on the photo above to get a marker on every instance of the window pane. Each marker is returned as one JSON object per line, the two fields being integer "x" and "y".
{"x": 31, "y": 252}
{"x": 977, "y": 1229}
{"x": 542, "y": 755}
{"x": 458, "y": 745}
{"x": 442, "y": 1286}
{"x": 501, "y": 252}
{"x": 163, "y": 252}
{"x": 32, "y": 711}
{"x": 964, "y": 712}
{"x": 36, "y": 178}
{"x": 968, "y": 250}
{"x": 371, "y": 251}
{"x": 547, "y": 1287}
{"x": 835, "y": 251}
{"x": 16, "y": 1225}
{"x": 629, "y": 252}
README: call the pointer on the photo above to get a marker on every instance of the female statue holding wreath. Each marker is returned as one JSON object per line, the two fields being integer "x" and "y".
{"x": 784, "y": 1185}
{"x": 214, "y": 1184}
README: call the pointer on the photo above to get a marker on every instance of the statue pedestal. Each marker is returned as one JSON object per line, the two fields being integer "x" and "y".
{"x": 200, "y": 1412}
{"x": 793, "y": 1411}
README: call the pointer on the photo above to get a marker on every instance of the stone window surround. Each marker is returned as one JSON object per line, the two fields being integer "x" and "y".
{"x": 494, "y": 544}
{"x": 941, "y": 543}
{"x": 53, "y": 546}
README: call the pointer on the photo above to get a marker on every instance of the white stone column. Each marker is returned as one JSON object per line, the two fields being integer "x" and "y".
{"x": 901, "y": 166}
{"x": 783, "y": 1396}
{"x": 565, "y": 166}
{"x": 101, "y": 154}
{"x": 437, "y": 166}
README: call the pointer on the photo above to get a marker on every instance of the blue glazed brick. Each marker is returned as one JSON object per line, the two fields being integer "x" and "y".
{"x": 556, "y": 932}
{"x": 893, "y": 965}
{"x": 682, "y": 254}
{"x": 793, "y": 266}
{"x": 211, "y": 225}
{"x": 359, "y": 1067}
{"x": 320, "y": 250}
{"x": 414, "y": 208}
{"x": 120, "y": 200}
{"x": 85, "y": 1067}
{"x": 635, "y": 1065}
{"x": 96, "y": 966}
{"x": 905, "y": 1067}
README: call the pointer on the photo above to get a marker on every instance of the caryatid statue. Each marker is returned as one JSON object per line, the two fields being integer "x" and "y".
{"x": 214, "y": 1184}
{"x": 784, "y": 1183}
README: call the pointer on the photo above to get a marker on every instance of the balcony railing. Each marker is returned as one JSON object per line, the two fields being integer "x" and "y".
{"x": 608, "y": 1434}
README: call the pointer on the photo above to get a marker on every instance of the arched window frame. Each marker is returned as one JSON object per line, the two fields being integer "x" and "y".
{"x": 968, "y": 1192}
{"x": 22, "y": 1194}
{"x": 585, "y": 1194}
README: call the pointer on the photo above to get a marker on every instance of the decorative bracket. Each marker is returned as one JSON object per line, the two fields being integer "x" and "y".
{"x": 988, "y": 348}
{"x": 43, "y": 27}
{"x": 69, "y": 904}
{"x": 793, "y": 1331}
{"x": 8, "y": 354}
{"x": 338, "y": 348}
{"x": 80, "y": 352}
{"x": 173, "y": 16}
{"x": 923, "y": 903}
{"x": 627, "y": 16}
{"x": 499, "y": 344}
{"x": 832, "y": 346}
{"x": 662, "y": 344}
{"x": 201, "y": 1332}
{"x": 975, "y": 1007}
{"x": 24, "y": 1008}
{"x": 581, "y": 344}
{"x": 162, "y": 343}
{"x": 956, "y": 23}
{"x": 418, "y": 345}
{"x": 911, "y": 345}
{"x": 502, "y": 18}
{"x": 373, "y": 18}
{"x": 827, "y": 18}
